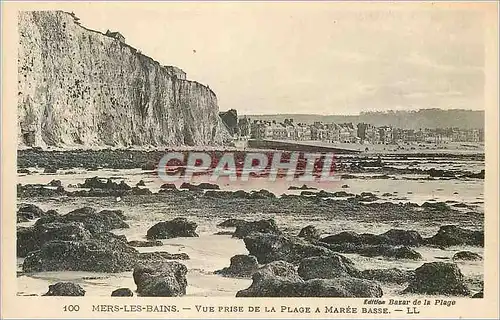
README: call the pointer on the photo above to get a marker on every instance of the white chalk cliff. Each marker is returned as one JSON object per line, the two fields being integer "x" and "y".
{"x": 79, "y": 87}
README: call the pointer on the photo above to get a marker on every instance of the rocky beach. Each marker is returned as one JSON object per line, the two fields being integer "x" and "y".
{"x": 402, "y": 214}
{"x": 391, "y": 225}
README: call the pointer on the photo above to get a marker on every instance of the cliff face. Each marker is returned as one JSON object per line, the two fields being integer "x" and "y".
{"x": 80, "y": 87}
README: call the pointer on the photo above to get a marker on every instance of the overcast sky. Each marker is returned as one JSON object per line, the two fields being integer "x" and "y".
{"x": 320, "y": 58}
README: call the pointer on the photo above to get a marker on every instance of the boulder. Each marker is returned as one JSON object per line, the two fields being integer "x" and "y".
{"x": 32, "y": 238}
{"x": 240, "y": 194}
{"x": 71, "y": 231}
{"x": 393, "y": 275}
{"x": 467, "y": 255}
{"x": 395, "y": 237}
{"x": 367, "y": 197}
{"x": 436, "y": 206}
{"x": 326, "y": 267}
{"x": 95, "y": 222}
{"x": 279, "y": 279}
{"x": 303, "y": 187}
{"x": 342, "y": 194}
{"x": 438, "y": 278}
{"x": 165, "y": 279}
{"x": 309, "y": 233}
{"x": 50, "y": 170}
{"x": 324, "y": 194}
{"x": 122, "y": 292}
{"x": 55, "y": 183}
{"x": 261, "y": 226}
{"x": 268, "y": 247}
{"x": 241, "y": 266}
{"x": 141, "y": 183}
{"x": 98, "y": 183}
{"x": 168, "y": 186}
{"x": 65, "y": 289}
{"x": 452, "y": 235}
{"x": 403, "y": 237}
{"x": 232, "y": 223}
{"x": 102, "y": 253}
{"x": 148, "y": 243}
{"x": 178, "y": 227}
{"x": 261, "y": 194}
{"x": 208, "y": 186}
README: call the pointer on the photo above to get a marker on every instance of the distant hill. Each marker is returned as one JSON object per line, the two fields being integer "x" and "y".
{"x": 414, "y": 119}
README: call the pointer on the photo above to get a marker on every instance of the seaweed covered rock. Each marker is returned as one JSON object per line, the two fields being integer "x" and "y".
{"x": 199, "y": 187}
{"x": 403, "y": 237}
{"x": 354, "y": 238}
{"x": 168, "y": 186}
{"x": 122, "y": 292}
{"x": 95, "y": 222}
{"x": 439, "y": 278}
{"x": 241, "y": 266}
{"x": 65, "y": 289}
{"x": 178, "y": 227}
{"x": 272, "y": 280}
{"x": 394, "y": 237}
{"x": 98, "y": 183}
{"x": 261, "y": 194}
{"x": 260, "y": 226}
{"x": 452, "y": 235}
{"x": 102, "y": 253}
{"x": 166, "y": 279}
{"x": 232, "y": 223}
{"x": 467, "y": 256}
{"x": 32, "y": 238}
{"x": 279, "y": 279}
{"x": 268, "y": 247}
{"x": 326, "y": 267}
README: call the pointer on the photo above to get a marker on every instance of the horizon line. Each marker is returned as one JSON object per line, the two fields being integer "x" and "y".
{"x": 359, "y": 113}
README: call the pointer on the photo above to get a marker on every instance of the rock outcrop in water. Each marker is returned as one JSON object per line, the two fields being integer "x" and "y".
{"x": 79, "y": 87}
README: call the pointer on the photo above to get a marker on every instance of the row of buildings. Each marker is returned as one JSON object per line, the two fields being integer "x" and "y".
{"x": 351, "y": 133}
